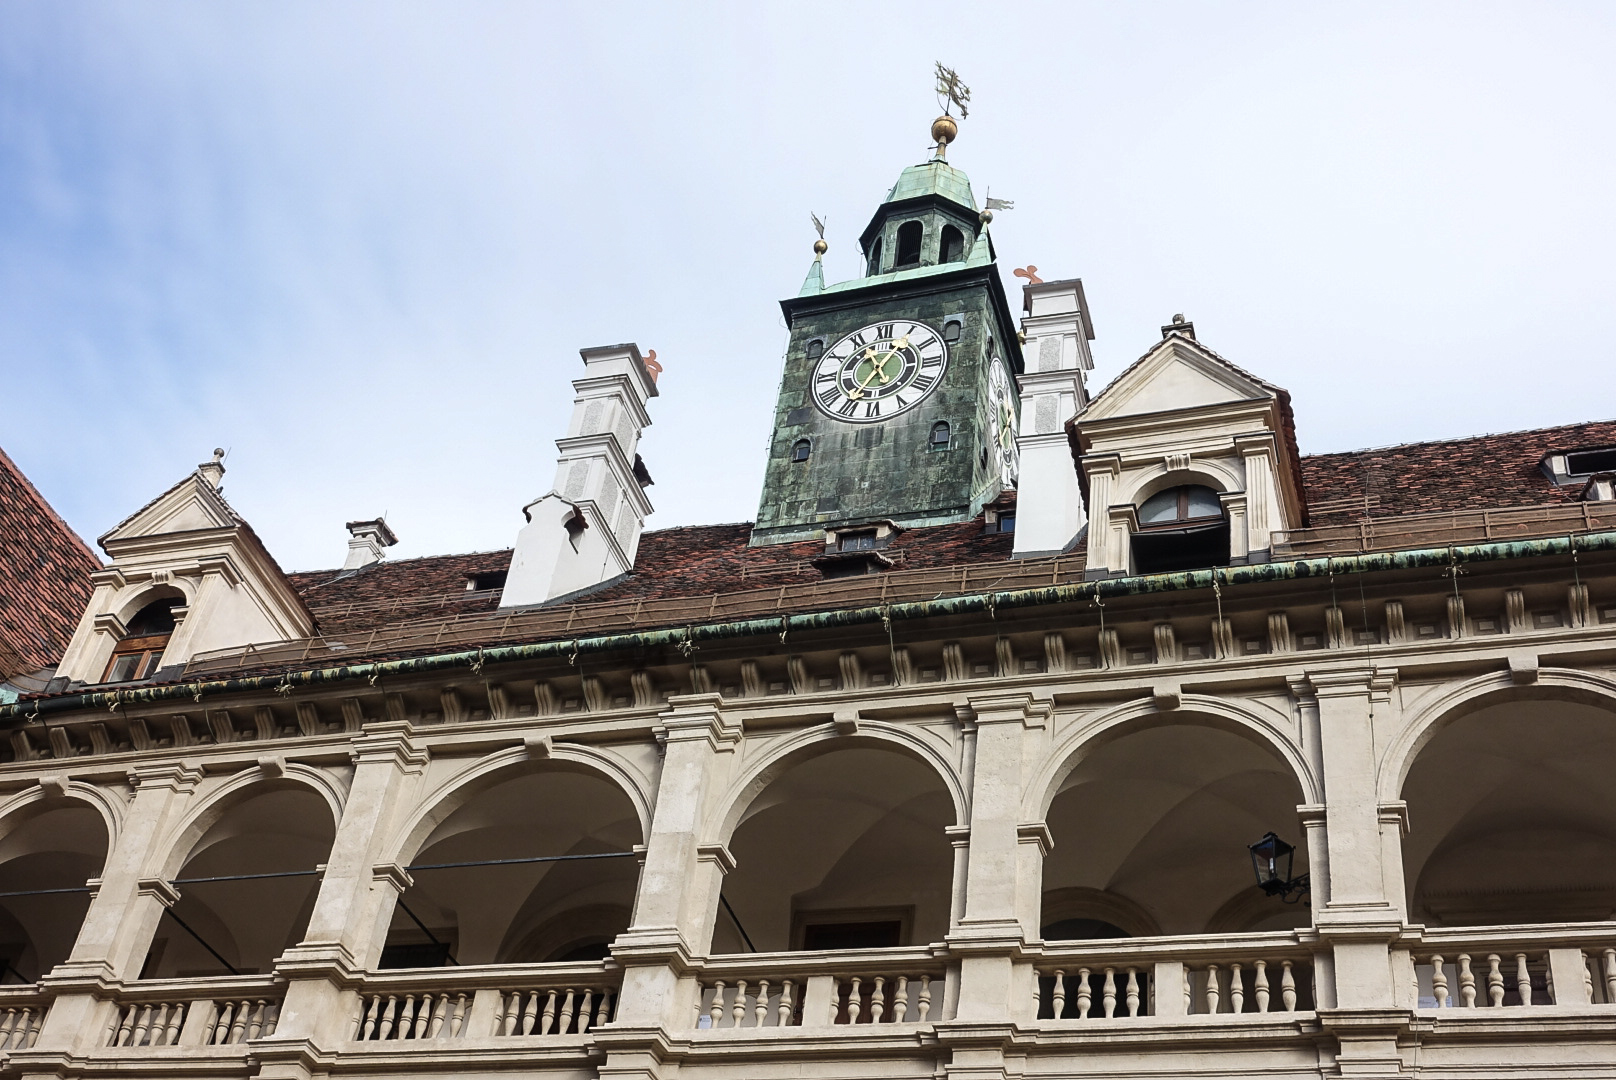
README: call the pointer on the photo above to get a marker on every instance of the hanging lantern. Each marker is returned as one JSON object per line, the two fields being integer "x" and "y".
{"x": 1271, "y": 858}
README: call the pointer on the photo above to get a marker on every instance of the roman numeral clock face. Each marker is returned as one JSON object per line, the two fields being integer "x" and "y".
{"x": 880, "y": 371}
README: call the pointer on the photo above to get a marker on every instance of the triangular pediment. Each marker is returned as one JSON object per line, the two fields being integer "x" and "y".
{"x": 188, "y": 506}
{"x": 1176, "y": 375}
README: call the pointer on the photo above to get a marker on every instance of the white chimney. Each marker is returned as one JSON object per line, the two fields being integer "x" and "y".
{"x": 1057, "y": 332}
{"x": 587, "y": 529}
{"x": 366, "y": 543}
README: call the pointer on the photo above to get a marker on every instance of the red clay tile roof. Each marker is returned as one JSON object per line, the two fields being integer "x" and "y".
{"x": 44, "y": 576}
{"x": 1477, "y": 473}
{"x": 388, "y": 591}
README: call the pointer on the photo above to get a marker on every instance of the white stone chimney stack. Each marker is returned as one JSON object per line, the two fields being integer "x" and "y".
{"x": 1057, "y": 332}
{"x": 367, "y": 543}
{"x": 587, "y": 529}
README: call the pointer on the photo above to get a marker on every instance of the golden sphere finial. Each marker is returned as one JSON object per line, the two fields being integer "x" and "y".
{"x": 820, "y": 247}
{"x": 944, "y": 130}
{"x": 985, "y": 217}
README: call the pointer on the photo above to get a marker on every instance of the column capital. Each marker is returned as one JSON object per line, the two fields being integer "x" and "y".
{"x": 1375, "y": 683}
{"x": 717, "y": 854}
{"x": 1036, "y": 832}
{"x": 166, "y": 894}
{"x": 394, "y": 874}
{"x": 1020, "y": 708}
{"x": 179, "y": 777}
{"x": 698, "y": 717}
{"x": 389, "y": 742}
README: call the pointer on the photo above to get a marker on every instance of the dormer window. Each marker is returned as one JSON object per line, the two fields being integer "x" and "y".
{"x": 800, "y": 450}
{"x": 856, "y": 541}
{"x": 140, "y": 653}
{"x": 1182, "y": 528}
{"x": 487, "y": 581}
{"x": 1591, "y": 461}
{"x": 952, "y": 248}
{"x": 910, "y": 235}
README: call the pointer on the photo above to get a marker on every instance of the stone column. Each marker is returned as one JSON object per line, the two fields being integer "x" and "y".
{"x": 1358, "y": 919}
{"x": 123, "y": 913}
{"x": 353, "y": 906}
{"x": 679, "y": 887}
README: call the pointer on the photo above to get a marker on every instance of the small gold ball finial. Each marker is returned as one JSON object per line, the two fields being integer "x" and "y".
{"x": 820, "y": 247}
{"x": 944, "y": 130}
{"x": 986, "y": 217}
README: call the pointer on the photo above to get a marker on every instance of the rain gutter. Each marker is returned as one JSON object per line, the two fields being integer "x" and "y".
{"x": 685, "y": 638}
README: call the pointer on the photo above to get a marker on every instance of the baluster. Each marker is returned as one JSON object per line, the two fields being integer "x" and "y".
{"x": 547, "y": 1022}
{"x": 1213, "y": 993}
{"x": 1439, "y": 982}
{"x": 1610, "y": 976}
{"x": 221, "y": 1023}
{"x": 1237, "y": 990}
{"x": 925, "y": 997}
{"x": 32, "y": 1021}
{"x": 783, "y": 1017}
{"x": 272, "y": 1018}
{"x": 1085, "y": 996}
{"x": 367, "y": 1017}
{"x": 176, "y": 1019}
{"x": 1287, "y": 986}
{"x": 855, "y": 1002}
{"x": 761, "y": 1013}
{"x": 389, "y": 1018}
{"x": 420, "y": 1014}
{"x": 1109, "y": 992}
{"x": 1058, "y": 1001}
{"x": 715, "y": 1011}
{"x": 159, "y": 1028}
{"x": 435, "y": 1012}
{"x": 141, "y": 1026}
{"x": 251, "y": 1015}
{"x": 1495, "y": 981}
{"x": 900, "y": 1000}
{"x": 458, "y": 1019}
{"x": 738, "y": 1009}
{"x": 1467, "y": 983}
{"x": 530, "y": 1014}
{"x": 8, "y": 1027}
{"x": 603, "y": 1010}
{"x": 1189, "y": 992}
{"x": 585, "y": 1012}
{"x": 569, "y": 1015}
{"x": 1132, "y": 998}
{"x": 1523, "y": 979}
{"x": 120, "y": 1037}
{"x": 878, "y": 1002}
{"x": 1587, "y": 981}
{"x": 1260, "y": 980}
{"x": 238, "y": 1029}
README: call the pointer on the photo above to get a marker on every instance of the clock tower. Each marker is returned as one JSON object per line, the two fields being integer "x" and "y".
{"x": 899, "y": 398}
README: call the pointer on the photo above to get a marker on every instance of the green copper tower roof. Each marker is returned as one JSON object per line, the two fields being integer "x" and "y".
{"x": 935, "y": 177}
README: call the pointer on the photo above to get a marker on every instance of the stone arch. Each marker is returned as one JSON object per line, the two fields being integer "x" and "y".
{"x": 177, "y": 847}
{"x": 814, "y": 741}
{"x": 591, "y": 804}
{"x": 131, "y": 598}
{"x": 1259, "y": 724}
{"x": 483, "y": 774}
{"x": 56, "y": 835}
{"x": 1467, "y": 697}
{"x": 1215, "y": 473}
{"x": 106, "y": 805}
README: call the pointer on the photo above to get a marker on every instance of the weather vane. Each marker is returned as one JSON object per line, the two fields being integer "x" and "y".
{"x": 951, "y": 92}
{"x": 820, "y": 247}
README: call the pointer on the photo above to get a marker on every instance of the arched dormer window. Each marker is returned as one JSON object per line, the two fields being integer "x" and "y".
{"x": 1182, "y": 528}
{"x": 800, "y": 450}
{"x": 909, "y": 237}
{"x": 940, "y": 435}
{"x": 952, "y": 248}
{"x": 875, "y": 257}
{"x": 816, "y": 349}
{"x": 140, "y": 653}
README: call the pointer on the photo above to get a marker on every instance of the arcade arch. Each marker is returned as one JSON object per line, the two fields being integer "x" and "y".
{"x": 1151, "y": 828}
{"x": 44, "y": 846}
{"x": 282, "y": 829}
{"x": 845, "y": 847}
{"x": 520, "y": 912}
{"x": 1511, "y": 817}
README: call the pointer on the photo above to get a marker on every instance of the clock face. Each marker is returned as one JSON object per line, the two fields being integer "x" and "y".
{"x": 880, "y": 371}
{"x": 1002, "y": 423}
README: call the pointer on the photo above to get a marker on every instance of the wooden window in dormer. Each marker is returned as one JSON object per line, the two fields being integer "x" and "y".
{"x": 140, "y": 653}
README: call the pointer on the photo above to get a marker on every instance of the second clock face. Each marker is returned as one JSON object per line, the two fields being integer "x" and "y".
{"x": 880, "y": 371}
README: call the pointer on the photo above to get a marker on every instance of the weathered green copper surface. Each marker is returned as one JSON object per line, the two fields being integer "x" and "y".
{"x": 933, "y": 178}
{"x": 1226, "y": 577}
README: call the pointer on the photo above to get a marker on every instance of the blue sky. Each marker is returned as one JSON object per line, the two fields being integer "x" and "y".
{"x": 360, "y": 245}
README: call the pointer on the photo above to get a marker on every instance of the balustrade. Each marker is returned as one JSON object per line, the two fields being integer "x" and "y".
{"x": 20, "y": 1020}
{"x": 779, "y": 990}
{"x": 1554, "y": 965}
{"x": 223, "y": 1021}
{"x": 1119, "y": 980}
{"x": 496, "y": 1001}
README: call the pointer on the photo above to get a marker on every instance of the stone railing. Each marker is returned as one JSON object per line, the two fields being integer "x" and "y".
{"x": 493, "y": 1001}
{"x": 237, "y": 1010}
{"x": 22, "y": 1009}
{"x": 1485, "y": 968}
{"x": 1189, "y": 977}
{"x": 821, "y": 989}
